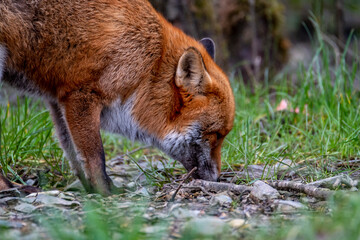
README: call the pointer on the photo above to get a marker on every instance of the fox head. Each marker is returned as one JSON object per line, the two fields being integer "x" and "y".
{"x": 207, "y": 113}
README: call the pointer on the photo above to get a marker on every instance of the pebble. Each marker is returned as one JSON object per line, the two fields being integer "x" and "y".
{"x": 131, "y": 185}
{"x": 153, "y": 229}
{"x": 2, "y": 211}
{"x": 185, "y": 213}
{"x": 143, "y": 191}
{"x": 202, "y": 199}
{"x": 237, "y": 223}
{"x": 124, "y": 205}
{"x": 151, "y": 209}
{"x": 118, "y": 182}
{"x": 30, "y": 182}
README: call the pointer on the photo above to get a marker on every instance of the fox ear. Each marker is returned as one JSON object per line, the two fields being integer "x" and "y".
{"x": 209, "y": 45}
{"x": 191, "y": 75}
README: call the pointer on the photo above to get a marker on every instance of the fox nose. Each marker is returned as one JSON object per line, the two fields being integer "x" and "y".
{"x": 206, "y": 175}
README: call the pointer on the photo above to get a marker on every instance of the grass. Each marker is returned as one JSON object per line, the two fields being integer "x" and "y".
{"x": 325, "y": 129}
{"x": 28, "y": 145}
{"x": 26, "y": 140}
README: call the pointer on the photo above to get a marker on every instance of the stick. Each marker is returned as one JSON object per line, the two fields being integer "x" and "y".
{"x": 219, "y": 187}
{"x": 182, "y": 182}
{"x": 334, "y": 182}
{"x": 201, "y": 188}
{"x": 316, "y": 192}
{"x": 309, "y": 190}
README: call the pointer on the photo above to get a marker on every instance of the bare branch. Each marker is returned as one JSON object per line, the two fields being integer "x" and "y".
{"x": 219, "y": 187}
{"x": 309, "y": 190}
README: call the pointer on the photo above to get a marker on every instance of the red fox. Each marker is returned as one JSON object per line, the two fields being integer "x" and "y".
{"x": 120, "y": 66}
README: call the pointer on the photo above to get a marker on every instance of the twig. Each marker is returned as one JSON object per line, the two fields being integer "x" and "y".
{"x": 313, "y": 191}
{"x": 219, "y": 187}
{"x": 335, "y": 182}
{"x": 182, "y": 183}
{"x": 201, "y": 188}
{"x": 350, "y": 163}
{"x": 309, "y": 190}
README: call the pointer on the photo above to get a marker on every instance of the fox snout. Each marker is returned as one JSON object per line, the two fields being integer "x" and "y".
{"x": 209, "y": 174}
{"x": 192, "y": 150}
{"x": 206, "y": 168}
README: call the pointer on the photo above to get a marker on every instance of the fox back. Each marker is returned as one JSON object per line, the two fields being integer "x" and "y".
{"x": 120, "y": 66}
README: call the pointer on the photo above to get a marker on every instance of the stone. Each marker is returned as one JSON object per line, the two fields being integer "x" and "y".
{"x": 30, "y": 182}
{"x": 263, "y": 191}
{"x": 205, "y": 227}
{"x": 143, "y": 192}
{"x": 237, "y": 223}
{"x": 124, "y": 205}
{"x": 9, "y": 200}
{"x": 12, "y": 192}
{"x": 67, "y": 196}
{"x": 221, "y": 199}
{"x": 153, "y": 229}
{"x": 10, "y": 224}
{"x": 285, "y": 206}
{"x": 43, "y": 198}
{"x": 202, "y": 199}
{"x": 54, "y": 193}
{"x": 131, "y": 185}
{"x": 118, "y": 182}
{"x": 182, "y": 213}
{"x": 2, "y": 211}
{"x": 75, "y": 186}
{"x": 25, "y": 208}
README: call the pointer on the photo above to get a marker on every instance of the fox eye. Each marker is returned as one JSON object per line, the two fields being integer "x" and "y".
{"x": 213, "y": 137}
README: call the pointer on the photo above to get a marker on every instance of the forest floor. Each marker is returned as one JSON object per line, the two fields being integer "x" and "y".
{"x": 185, "y": 208}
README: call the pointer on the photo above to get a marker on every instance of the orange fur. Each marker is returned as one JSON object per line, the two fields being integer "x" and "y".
{"x": 83, "y": 56}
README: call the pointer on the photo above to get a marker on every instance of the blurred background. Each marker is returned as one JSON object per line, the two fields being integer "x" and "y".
{"x": 259, "y": 38}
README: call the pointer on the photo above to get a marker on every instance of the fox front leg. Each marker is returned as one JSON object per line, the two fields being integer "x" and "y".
{"x": 82, "y": 114}
{"x": 66, "y": 142}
